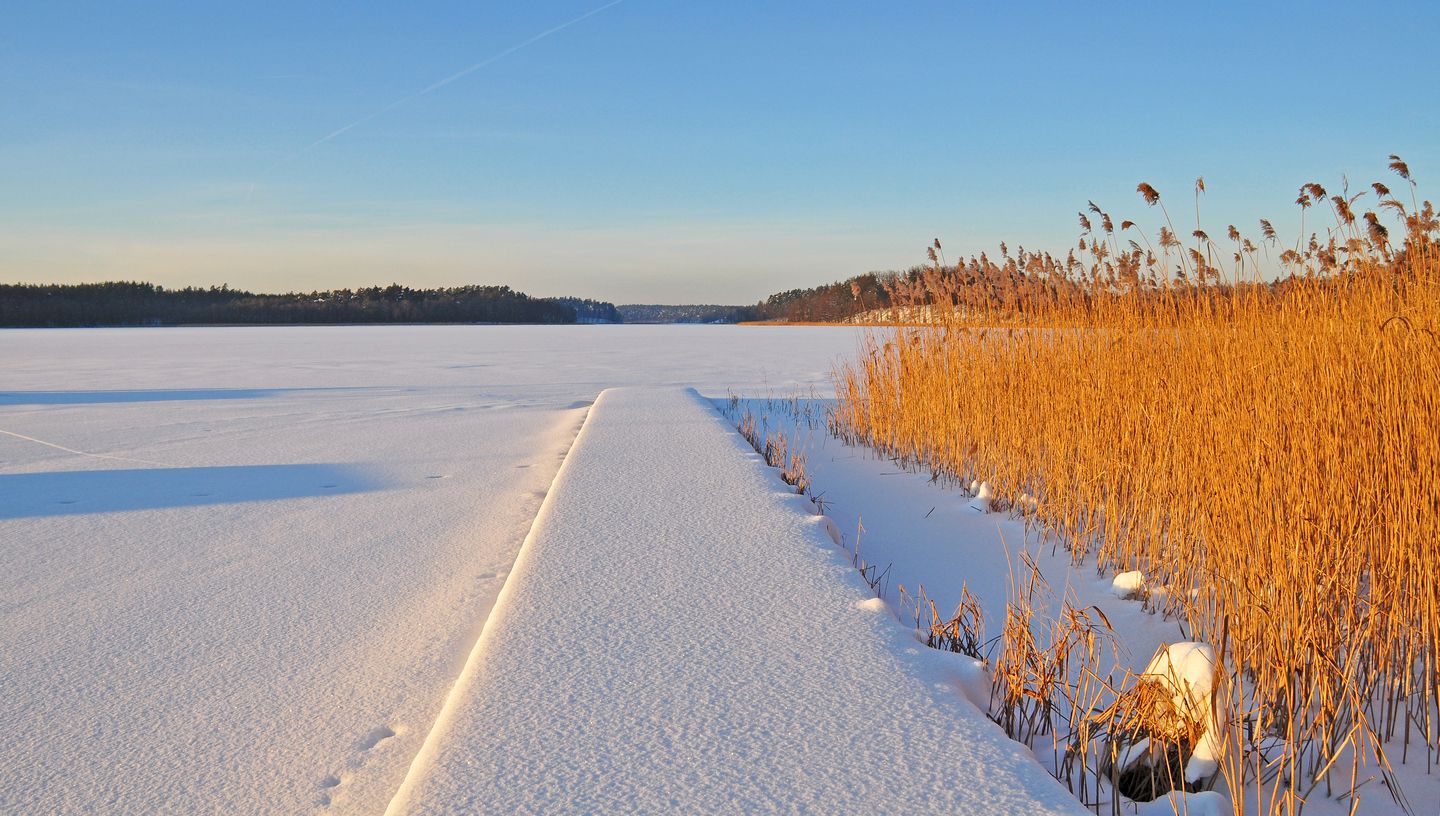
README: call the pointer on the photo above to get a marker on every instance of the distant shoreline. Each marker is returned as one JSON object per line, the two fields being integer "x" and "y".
{"x": 387, "y": 323}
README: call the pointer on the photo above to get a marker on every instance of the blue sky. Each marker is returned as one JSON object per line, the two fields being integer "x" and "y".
{"x": 668, "y": 152}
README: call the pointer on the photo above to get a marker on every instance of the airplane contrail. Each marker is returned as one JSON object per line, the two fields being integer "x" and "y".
{"x": 461, "y": 74}
{"x": 435, "y": 86}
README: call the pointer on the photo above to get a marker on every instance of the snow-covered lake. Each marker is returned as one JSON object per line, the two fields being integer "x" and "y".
{"x": 246, "y": 570}
{"x": 241, "y": 567}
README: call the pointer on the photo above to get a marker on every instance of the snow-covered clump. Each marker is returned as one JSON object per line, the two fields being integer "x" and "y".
{"x": 1129, "y": 585}
{"x": 969, "y": 675}
{"x": 873, "y": 605}
{"x": 973, "y": 679}
{"x": 984, "y": 496}
{"x": 1167, "y": 728}
{"x": 1188, "y": 671}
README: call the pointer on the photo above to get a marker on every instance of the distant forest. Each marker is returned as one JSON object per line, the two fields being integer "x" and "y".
{"x": 590, "y": 311}
{"x": 832, "y": 302}
{"x": 656, "y": 313}
{"x": 144, "y": 304}
{"x": 126, "y": 303}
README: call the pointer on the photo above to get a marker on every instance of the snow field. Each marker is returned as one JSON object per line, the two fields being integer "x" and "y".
{"x": 243, "y": 637}
{"x": 241, "y": 568}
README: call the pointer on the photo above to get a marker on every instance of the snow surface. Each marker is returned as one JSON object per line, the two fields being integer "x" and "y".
{"x": 240, "y": 568}
{"x": 1204, "y": 803}
{"x": 680, "y": 635}
{"x": 923, "y": 533}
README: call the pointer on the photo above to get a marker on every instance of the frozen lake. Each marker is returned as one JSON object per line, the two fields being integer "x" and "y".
{"x": 241, "y": 567}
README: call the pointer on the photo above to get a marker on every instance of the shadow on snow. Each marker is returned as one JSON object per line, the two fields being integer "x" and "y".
{"x": 99, "y": 397}
{"x": 67, "y": 493}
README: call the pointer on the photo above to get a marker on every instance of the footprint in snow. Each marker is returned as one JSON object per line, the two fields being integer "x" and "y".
{"x": 376, "y": 737}
{"x": 327, "y": 788}
{"x": 330, "y": 785}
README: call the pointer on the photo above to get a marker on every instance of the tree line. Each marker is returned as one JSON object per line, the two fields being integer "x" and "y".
{"x": 129, "y": 303}
{"x": 699, "y": 313}
{"x": 591, "y": 311}
{"x": 832, "y": 302}
{"x": 126, "y": 303}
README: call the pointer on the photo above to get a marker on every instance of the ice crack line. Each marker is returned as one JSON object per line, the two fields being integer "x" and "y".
{"x": 83, "y": 453}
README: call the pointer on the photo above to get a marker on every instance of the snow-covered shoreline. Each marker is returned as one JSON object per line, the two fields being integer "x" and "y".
{"x": 924, "y": 539}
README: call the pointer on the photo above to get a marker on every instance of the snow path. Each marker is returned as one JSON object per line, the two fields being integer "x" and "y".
{"x": 679, "y": 635}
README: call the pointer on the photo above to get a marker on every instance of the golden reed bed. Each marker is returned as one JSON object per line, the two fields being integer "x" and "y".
{"x": 1254, "y": 426}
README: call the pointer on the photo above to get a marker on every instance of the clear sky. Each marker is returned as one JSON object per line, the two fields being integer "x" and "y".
{"x": 668, "y": 151}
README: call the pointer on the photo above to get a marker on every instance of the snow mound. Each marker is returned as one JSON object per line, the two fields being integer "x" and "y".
{"x": 984, "y": 497}
{"x": 872, "y": 605}
{"x": 1129, "y": 585}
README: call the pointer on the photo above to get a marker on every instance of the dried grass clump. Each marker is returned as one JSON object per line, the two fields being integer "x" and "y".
{"x": 963, "y": 632}
{"x": 1266, "y": 448}
{"x": 791, "y": 465}
{"x": 1148, "y": 711}
{"x": 1150, "y": 739}
{"x": 775, "y": 447}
